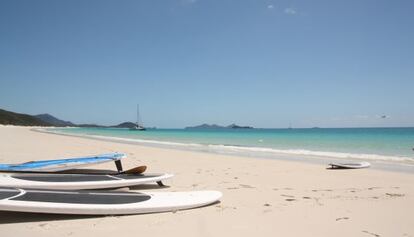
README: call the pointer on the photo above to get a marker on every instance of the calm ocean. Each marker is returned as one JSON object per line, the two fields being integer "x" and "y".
{"x": 387, "y": 144}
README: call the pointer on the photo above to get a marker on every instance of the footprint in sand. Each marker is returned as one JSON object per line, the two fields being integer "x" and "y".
{"x": 267, "y": 211}
{"x": 395, "y": 194}
{"x": 230, "y": 188}
{"x": 222, "y": 208}
{"x": 370, "y": 233}
{"x": 43, "y": 225}
{"x": 246, "y": 186}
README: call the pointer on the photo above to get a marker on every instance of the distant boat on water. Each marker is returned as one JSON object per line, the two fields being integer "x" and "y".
{"x": 138, "y": 125}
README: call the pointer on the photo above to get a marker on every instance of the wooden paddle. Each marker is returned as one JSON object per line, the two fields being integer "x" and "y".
{"x": 137, "y": 170}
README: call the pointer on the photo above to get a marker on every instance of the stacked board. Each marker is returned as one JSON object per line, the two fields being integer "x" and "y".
{"x": 62, "y": 164}
{"x": 101, "y": 202}
{"x": 44, "y": 187}
{"x": 78, "y": 181}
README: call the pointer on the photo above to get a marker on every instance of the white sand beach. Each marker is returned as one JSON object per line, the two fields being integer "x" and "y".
{"x": 262, "y": 197}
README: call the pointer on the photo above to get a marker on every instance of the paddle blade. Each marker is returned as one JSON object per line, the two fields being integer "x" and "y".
{"x": 136, "y": 170}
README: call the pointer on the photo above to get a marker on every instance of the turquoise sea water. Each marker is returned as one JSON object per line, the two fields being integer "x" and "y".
{"x": 365, "y": 143}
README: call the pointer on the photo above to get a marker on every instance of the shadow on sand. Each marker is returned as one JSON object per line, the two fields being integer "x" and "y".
{"x": 339, "y": 168}
{"x": 148, "y": 187}
{"x": 7, "y": 217}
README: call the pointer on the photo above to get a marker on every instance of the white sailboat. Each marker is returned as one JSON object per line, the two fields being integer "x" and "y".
{"x": 138, "y": 125}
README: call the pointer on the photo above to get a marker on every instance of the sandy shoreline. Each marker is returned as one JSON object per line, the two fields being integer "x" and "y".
{"x": 261, "y": 196}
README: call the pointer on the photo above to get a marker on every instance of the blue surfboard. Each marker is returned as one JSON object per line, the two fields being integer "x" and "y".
{"x": 63, "y": 164}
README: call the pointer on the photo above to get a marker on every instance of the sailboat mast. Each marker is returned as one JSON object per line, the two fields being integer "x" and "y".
{"x": 138, "y": 126}
{"x": 137, "y": 114}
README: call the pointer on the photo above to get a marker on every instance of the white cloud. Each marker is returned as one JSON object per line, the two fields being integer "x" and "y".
{"x": 290, "y": 11}
{"x": 270, "y": 7}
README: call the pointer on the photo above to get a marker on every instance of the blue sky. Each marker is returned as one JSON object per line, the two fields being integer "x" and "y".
{"x": 261, "y": 63}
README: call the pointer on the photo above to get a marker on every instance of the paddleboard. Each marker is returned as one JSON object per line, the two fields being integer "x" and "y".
{"x": 78, "y": 181}
{"x": 353, "y": 165}
{"x": 102, "y": 202}
{"x": 63, "y": 164}
{"x": 136, "y": 170}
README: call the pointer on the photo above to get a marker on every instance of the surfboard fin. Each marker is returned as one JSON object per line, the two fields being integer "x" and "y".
{"x": 118, "y": 165}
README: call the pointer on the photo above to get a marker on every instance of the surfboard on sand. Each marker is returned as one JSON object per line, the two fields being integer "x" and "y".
{"x": 64, "y": 164}
{"x": 102, "y": 202}
{"x": 79, "y": 181}
{"x": 136, "y": 170}
{"x": 350, "y": 165}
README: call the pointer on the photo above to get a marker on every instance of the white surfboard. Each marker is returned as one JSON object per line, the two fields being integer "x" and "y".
{"x": 350, "y": 165}
{"x": 78, "y": 181}
{"x": 102, "y": 202}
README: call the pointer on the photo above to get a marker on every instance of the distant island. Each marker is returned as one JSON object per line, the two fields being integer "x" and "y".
{"x": 125, "y": 125}
{"x": 54, "y": 121}
{"x": 215, "y": 126}
{"x": 11, "y": 118}
{"x": 47, "y": 120}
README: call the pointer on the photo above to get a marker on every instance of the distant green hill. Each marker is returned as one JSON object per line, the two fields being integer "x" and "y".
{"x": 125, "y": 125}
{"x": 53, "y": 120}
{"x": 86, "y": 125}
{"x": 206, "y": 126}
{"x": 11, "y": 118}
{"x": 215, "y": 126}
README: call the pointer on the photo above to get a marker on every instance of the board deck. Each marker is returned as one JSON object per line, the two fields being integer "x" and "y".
{"x": 78, "y": 181}
{"x": 350, "y": 165}
{"x": 136, "y": 170}
{"x": 62, "y": 164}
{"x": 102, "y": 202}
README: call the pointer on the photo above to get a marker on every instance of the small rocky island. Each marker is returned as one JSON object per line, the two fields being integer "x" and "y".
{"x": 215, "y": 126}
